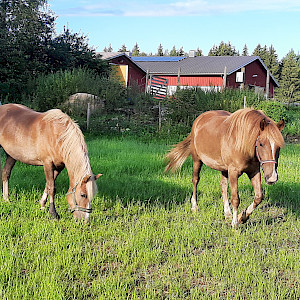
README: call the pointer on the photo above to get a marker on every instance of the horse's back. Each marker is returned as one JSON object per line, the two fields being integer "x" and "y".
{"x": 207, "y": 133}
{"x": 21, "y": 133}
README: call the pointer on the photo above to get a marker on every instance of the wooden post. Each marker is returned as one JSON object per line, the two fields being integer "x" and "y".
{"x": 243, "y": 83}
{"x": 88, "y": 114}
{"x": 267, "y": 85}
{"x": 178, "y": 76}
{"x": 245, "y": 101}
{"x": 159, "y": 115}
{"x": 146, "y": 83}
{"x": 224, "y": 78}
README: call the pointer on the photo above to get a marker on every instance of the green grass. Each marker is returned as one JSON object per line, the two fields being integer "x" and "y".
{"x": 143, "y": 242}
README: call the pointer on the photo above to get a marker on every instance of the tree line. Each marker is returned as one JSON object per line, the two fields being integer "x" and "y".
{"x": 30, "y": 47}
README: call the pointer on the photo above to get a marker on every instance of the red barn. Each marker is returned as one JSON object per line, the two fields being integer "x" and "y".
{"x": 130, "y": 73}
{"x": 206, "y": 72}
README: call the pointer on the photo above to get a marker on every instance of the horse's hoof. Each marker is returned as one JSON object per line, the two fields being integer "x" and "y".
{"x": 242, "y": 218}
{"x": 55, "y": 216}
{"x": 195, "y": 209}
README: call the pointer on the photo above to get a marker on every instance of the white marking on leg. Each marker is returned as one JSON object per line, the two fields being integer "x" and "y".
{"x": 235, "y": 222}
{"x": 227, "y": 210}
{"x": 250, "y": 209}
{"x": 194, "y": 204}
{"x": 43, "y": 200}
{"x": 5, "y": 190}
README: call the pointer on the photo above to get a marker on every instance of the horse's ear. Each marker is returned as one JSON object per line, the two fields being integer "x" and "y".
{"x": 89, "y": 177}
{"x": 263, "y": 124}
{"x": 97, "y": 176}
{"x": 280, "y": 125}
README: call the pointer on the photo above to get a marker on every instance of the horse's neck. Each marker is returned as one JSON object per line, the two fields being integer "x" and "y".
{"x": 77, "y": 170}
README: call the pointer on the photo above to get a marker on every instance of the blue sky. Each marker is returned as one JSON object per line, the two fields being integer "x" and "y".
{"x": 189, "y": 24}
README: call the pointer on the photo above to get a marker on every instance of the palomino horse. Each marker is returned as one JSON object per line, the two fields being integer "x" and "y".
{"x": 52, "y": 140}
{"x": 234, "y": 144}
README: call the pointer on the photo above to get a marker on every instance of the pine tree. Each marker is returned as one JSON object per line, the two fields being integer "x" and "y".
{"x": 181, "y": 52}
{"x": 160, "y": 51}
{"x": 245, "y": 51}
{"x": 109, "y": 49}
{"x": 224, "y": 49}
{"x": 272, "y": 63}
{"x": 136, "y": 50}
{"x": 173, "y": 52}
{"x": 289, "y": 90}
{"x": 123, "y": 48}
{"x": 199, "y": 52}
{"x": 257, "y": 51}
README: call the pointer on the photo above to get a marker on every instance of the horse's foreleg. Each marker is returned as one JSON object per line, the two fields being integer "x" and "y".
{"x": 224, "y": 189}
{"x": 50, "y": 186}
{"x": 235, "y": 200}
{"x": 256, "y": 183}
{"x": 45, "y": 194}
{"x": 197, "y": 164}
{"x": 9, "y": 164}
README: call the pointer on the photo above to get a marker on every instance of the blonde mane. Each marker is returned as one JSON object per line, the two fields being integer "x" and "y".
{"x": 244, "y": 128}
{"x": 73, "y": 147}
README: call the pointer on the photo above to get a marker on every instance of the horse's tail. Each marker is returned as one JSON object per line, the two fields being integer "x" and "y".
{"x": 177, "y": 156}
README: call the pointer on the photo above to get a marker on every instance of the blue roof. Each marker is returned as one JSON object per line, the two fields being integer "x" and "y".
{"x": 157, "y": 58}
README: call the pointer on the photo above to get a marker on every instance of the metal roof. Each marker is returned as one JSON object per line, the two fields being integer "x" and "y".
{"x": 200, "y": 65}
{"x": 157, "y": 58}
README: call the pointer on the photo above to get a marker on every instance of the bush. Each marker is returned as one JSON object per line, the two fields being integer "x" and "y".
{"x": 53, "y": 90}
{"x": 275, "y": 110}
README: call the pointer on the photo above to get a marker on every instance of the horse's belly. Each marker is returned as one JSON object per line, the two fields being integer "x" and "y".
{"x": 25, "y": 156}
{"x": 212, "y": 163}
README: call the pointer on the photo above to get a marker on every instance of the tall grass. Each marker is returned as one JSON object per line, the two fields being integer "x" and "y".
{"x": 143, "y": 242}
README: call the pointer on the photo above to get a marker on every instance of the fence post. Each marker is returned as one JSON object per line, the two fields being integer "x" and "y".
{"x": 245, "y": 101}
{"x": 159, "y": 115}
{"x": 88, "y": 114}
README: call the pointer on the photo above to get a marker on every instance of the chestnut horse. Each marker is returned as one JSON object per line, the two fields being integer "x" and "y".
{"x": 234, "y": 144}
{"x": 52, "y": 140}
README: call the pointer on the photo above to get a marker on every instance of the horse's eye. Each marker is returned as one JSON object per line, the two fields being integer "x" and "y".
{"x": 261, "y": 144}
{"x": 83, "y": 195}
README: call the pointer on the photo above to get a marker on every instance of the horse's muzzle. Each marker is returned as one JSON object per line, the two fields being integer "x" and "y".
{"x": 271, "y": 179}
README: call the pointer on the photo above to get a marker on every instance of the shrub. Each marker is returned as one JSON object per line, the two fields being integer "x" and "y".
{"x": 53, "y": 90}
{"x": 275, "y": 110}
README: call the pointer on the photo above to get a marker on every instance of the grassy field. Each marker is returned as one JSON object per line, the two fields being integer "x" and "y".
{"x": 143, "y": 242}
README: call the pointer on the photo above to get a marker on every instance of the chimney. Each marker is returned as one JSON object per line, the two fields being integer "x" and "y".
{"x": 192, "y": 53}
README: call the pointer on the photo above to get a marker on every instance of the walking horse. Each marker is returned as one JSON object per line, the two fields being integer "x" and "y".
{"x": 233, "y": 144}
{"x": 52, "y": 140}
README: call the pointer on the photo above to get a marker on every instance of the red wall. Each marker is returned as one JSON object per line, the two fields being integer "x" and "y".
{"x": 195, "y": 80}
{"x": 136, "y": 76}
{"x": 255, "y": 68}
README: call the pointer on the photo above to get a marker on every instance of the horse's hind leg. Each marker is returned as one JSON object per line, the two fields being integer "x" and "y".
{"x": 9, "y": 164}
{"x": 224, "y": 189}
{"x": 197, "y": 164}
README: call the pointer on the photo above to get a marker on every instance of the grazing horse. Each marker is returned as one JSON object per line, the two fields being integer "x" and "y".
{"x": 52, "y": 140}
{"x": 234, "y": 144}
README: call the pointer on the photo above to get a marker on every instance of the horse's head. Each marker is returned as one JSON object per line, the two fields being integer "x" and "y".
{"x": 268, "y": 148}
{"x": 80, "y": 196}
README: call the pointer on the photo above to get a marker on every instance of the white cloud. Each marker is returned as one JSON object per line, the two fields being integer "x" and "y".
{"x": 175, "y": 8}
